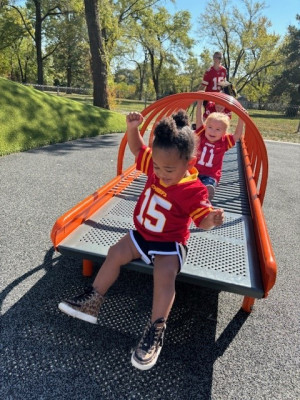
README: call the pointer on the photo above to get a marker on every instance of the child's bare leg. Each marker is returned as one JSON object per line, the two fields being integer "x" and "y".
{"x": 119, "y": 254}
{"x": 148, "y": 349}
{"x": 164, "y": 276}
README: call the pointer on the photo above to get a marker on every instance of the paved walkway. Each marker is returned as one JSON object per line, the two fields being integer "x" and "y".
{"x": 212, "y": 349}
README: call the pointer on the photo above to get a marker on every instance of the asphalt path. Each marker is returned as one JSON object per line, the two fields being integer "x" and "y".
{"x": 212, "y": 349}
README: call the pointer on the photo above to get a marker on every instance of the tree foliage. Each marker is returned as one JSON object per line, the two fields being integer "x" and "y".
{"x": 58, "y": 40}
{"x": 67, "y": 41}
{"x": 163, "y": 39}
{"x": 287, "y": 82}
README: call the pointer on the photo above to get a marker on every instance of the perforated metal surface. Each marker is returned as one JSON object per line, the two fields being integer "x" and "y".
{"x": 223, "y": 258}
{"x": 231, "y": 194}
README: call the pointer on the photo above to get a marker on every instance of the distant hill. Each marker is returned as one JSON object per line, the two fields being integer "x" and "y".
{"x": 30, "y": 118}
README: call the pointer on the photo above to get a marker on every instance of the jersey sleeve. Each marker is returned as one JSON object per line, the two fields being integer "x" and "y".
{"x": 205, "y": 80}
{"x": 144, "y": 161}
{"x": 199, "y": 205}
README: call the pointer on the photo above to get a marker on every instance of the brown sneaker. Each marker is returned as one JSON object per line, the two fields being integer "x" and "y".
{"x": 147, "y": 351}
{"x": 86, "y": 306}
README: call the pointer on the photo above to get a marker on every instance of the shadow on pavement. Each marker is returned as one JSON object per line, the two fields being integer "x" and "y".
{"x": 48, "y": 355}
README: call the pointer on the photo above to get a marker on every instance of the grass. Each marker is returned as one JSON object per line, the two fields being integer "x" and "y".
{"x": 275, "y": 126}
{"x": 30, "y": 118}
{"x": 272, "y": 125}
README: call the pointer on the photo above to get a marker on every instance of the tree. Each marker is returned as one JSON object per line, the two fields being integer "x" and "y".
{"x": 287, "y": 83}
{"x": 115, "y": 22}
{"x": 98, "y": 56}
{"x": 16, "y": 47}
{"x": 38, "y": 13}
{"x": 11, "y": 28}
{"x": 193, "y": 73}
{"x": 248, "y": 49}
{"x": 164, "y": 38}
{"x": 70, "y": 62}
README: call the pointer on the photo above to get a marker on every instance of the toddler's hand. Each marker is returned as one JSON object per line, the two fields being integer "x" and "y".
{"x": 134, "y": 119}
{"x": 213, "y": 219}
{"x": 218, "y": 217}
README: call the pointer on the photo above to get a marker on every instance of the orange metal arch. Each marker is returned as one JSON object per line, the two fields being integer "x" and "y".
{"x": 252, "y": 139}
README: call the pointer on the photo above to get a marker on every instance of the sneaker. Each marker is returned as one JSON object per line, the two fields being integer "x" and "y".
{"x": 86, "y": 306}
{"x": 147, "y": 351}
{"x": 211, "y": 191}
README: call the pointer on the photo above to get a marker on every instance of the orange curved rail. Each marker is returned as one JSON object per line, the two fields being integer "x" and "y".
{"x": 83, "y": 210}
{"x": 252, "y": 138}
{"x": 255, "y": 165}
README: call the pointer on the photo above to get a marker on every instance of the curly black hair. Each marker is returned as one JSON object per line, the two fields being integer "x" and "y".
{"x": 181, "y": 118}
{"x": 174, "y": 132}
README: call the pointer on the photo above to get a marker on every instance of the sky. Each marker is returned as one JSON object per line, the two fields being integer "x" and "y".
{"x": 281, "y": 13}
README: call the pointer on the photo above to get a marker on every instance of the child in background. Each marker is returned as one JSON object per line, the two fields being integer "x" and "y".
{"x": 214, "y": 142}
{"x": 214, "y": 107}
{"x": 215, "y": 75}
{"x": 173, "y": 196}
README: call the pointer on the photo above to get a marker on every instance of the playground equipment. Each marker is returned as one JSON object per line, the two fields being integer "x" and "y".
{"x": 236, "y": 257}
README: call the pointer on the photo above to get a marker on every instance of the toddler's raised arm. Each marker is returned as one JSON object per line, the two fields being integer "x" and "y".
{"x": 135, "y": 140}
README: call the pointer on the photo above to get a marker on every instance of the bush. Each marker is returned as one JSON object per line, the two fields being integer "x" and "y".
{"x": 291, "y": 111}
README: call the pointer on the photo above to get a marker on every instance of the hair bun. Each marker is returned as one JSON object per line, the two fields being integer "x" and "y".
{"x": 165, "y": 129}
{"x": 181, "y": 118}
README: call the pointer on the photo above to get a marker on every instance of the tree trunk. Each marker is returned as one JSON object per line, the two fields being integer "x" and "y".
{"x": 155, "y": 76}
{"x": 38, "y": 43}
{"x": 98, "y": 62}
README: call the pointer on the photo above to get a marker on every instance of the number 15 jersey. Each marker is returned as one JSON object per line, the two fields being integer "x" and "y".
{"x": 164, "y": 213}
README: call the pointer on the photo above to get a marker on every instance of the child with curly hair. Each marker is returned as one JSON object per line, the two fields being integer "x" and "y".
{"x": 172, "y": 197}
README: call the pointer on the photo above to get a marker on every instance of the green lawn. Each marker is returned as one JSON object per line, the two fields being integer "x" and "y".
{"x": 30, "y": 118}
{"x": 275, "y": 126}
{"x": 271, "y": 124}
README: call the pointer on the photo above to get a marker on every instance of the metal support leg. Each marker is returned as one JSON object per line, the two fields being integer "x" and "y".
{"x": 248, "y": 304}
{"x": 87, "y": 267}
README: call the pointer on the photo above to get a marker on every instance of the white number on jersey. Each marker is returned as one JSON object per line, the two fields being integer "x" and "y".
{"x": 217, "y": 80}
{"x": 151, "y": 211}
{"x": 209, "y": 162}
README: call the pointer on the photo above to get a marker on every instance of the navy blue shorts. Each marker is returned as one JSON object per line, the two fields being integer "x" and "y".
{"x": 148, "y": 249}
{"x": 208, "y": 180}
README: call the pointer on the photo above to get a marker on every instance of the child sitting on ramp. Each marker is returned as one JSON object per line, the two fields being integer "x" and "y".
{"x": 173, "y": 197}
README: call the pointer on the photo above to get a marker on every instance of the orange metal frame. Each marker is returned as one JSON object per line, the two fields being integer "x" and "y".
{"x": 255, "y": 166}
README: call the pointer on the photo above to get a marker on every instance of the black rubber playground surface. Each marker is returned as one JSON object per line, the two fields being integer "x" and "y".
{"x": 212, "y": 349}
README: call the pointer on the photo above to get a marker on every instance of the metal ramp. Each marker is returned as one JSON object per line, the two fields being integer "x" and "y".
{"x": 223, "y": 258}
{"x": 235, "y": 257}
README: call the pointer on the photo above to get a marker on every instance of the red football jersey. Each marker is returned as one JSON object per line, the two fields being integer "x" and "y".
{"x": 213, "y": 77}
{"x": 211, "y": 107}
{"x": 210, "y": 155}
{"x": 164, "y": 213}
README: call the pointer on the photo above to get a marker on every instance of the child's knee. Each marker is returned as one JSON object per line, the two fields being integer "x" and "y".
{"x": 166, "y": 267}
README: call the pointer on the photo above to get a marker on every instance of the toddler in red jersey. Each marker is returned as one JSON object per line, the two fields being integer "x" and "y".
{"x": 214, "y": 141}
{"x": 173, "y": 197}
